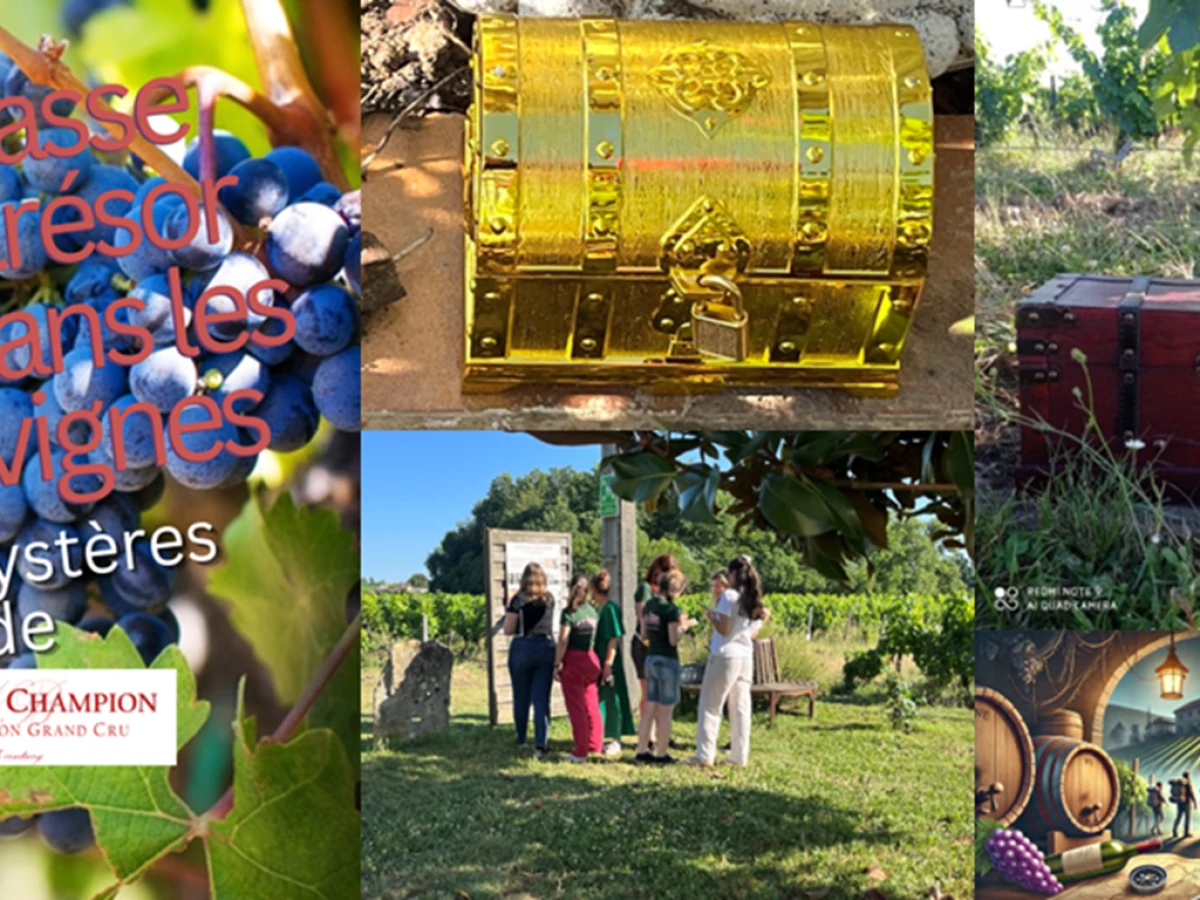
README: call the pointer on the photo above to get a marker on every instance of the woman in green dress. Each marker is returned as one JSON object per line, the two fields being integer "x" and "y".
{"x": 615, "y": 708}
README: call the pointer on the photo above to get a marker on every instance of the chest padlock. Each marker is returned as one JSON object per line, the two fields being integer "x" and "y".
{"x": 721, "y": 327}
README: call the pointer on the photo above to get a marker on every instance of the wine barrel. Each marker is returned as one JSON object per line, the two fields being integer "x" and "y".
{"x": 1076, "y": 790}
{"x": 1061, "y": 723}
{"x": 1004, "y": 768}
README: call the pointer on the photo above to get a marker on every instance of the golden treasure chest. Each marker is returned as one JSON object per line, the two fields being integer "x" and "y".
{"x": 689, "y": 204}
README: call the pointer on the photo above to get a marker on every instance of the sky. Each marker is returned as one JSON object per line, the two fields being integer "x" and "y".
{"x": 1009, "y": 26}
{"x": 423, "y": 483}
{"x": 1135, "y": 692}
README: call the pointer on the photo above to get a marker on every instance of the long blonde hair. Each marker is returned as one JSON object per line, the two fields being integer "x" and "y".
{"x": 578, "y": 594}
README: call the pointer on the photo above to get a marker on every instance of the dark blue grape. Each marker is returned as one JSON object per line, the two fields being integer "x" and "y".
{"x": 15, "y": 825}
{"x": 81, "y": 382}
{"x": 324, "y": 193}
{"x": 145, "y": 584}
{"x": 306, "y": 243}
{"x": 299, "y": 168}
{"x": 229, "y": 372}
{"x": 29, "y": 245}
{"x": 139, "y": 431}
{"x": 337, "y": 388}
{"x": 44, "y": 496}
{"x": 163, "y": 378}
{"x": 15, "y": 409}
{"x": 103, "y": 179}
{"x": 349, "y": 207}
{"x": 150, "y": 634}
{"x": 11, "y": 186}
{"x": 261, "y": 191}
{"x": 290, "y": 413}
{"x": 148, "y": 259}
{"x": 352, "y": 262}
{"x": 326, "y": 319}
{"x": 100, "y": 625}
{"x": 49, "y": 572}
{"x": 212, "y": 472}
{"x": 50, "y": 173}
{"x": 66, "y": 830}
{"x": 241, "y": 272}
{"x": 199, "y": 254}
{"x": 229, "y": 152}
{"x": 66, "y": 604}
{"x": 13, "y": 511}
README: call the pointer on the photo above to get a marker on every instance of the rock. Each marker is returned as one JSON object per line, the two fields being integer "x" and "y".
{"x": 947, "y": 27}
{"x": 420, "y": 704}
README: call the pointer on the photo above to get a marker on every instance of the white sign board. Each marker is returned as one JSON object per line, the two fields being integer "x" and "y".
{"x": 553, "y": 560}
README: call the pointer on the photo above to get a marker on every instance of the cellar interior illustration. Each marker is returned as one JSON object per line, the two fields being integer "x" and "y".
{"x": 1087, "y": 745}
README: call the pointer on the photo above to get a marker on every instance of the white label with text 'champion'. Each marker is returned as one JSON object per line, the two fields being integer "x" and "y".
{"x": 87, "y": 717}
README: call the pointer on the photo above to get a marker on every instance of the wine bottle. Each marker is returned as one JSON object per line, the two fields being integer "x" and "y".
{"x": 1097, "y": 859}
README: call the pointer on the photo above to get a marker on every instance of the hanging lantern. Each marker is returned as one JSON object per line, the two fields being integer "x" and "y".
{"x": 1171, "y": 674}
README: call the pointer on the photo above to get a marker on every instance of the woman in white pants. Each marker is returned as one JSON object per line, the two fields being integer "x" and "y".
{"x": 736, "y": 619}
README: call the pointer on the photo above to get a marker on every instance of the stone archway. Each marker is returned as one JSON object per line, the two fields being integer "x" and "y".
{"x": 1157, "y": 642}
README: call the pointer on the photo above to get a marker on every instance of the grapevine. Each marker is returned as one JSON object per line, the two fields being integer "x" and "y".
{"x": 283, "y": 216}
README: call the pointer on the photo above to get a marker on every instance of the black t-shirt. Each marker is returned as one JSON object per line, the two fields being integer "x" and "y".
{"x": 534, "y": 619}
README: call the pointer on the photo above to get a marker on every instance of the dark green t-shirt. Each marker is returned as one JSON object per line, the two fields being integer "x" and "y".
{"x": 658, "y": 614}
{"x": 643, "y": 593}
{"x": 583, "y": 627}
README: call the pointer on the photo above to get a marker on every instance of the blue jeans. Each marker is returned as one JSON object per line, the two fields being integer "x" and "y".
{"x": 662, "y": 680}
{"x": 531, "y": 668}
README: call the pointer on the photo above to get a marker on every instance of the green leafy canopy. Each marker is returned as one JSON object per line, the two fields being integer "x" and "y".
{"x": 827, "y": 494}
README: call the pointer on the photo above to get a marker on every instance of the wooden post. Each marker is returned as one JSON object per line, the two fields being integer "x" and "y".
{"x": 424, "y": 628}
{"x": 618, "y": 546}
{"x": 1133, "y": 806}
{"x": 808, "y": 634}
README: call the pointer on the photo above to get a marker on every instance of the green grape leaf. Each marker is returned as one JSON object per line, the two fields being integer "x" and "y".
{"x": 286, "y": 796}
{"x": 337, "y": 708}
{"x": 136, "y": 815}
{"x": 285, "y": 577}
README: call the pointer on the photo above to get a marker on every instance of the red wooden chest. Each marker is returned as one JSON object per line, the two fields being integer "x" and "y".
{"x": 1141, "y": 341}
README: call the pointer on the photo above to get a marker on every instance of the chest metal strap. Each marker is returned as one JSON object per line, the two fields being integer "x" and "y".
{"x": 1129, "y": 357}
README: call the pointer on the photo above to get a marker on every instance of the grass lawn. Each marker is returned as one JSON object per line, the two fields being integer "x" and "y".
{"x": 837, "y": 806}
{"x": 1099, "y": 525}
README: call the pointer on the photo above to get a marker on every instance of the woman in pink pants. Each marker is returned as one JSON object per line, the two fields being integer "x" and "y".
{"x": 577, "y": 667}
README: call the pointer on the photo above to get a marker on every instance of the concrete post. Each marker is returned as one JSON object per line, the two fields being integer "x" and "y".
{"x": 618, "y": 545}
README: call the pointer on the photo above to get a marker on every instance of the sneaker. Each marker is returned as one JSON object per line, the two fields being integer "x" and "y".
{"x": 540, "y": 752}
{"x": 696, "y": 761}
{"x": 571, "y": 757}
{"x": 664, "y": 760}
{"x": 612, "y": 749}
{"x": 676, "y": 745}
{"x": 644, "y": 758}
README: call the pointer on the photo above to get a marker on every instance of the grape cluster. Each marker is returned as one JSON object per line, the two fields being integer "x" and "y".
{"x": 1016, "y": 858}
{"x": 294, "y": 226}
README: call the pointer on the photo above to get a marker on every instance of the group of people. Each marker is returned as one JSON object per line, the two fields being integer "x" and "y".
{"x": 1183, "y": 795}
{"x": 586, "y": 657}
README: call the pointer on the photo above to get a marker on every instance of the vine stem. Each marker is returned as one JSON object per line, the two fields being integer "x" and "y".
{"x": 44, "y": 66}
{"x": 282, "y": 74}
{"x": 303, "y": 705}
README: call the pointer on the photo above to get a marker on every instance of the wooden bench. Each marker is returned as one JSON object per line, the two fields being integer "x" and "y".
{"x": 768, "y": 682}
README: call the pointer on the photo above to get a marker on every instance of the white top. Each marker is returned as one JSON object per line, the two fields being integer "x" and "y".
{"x": 739, "y": 644}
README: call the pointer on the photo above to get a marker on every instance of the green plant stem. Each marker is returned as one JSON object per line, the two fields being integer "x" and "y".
{"x": 303, "y": 705}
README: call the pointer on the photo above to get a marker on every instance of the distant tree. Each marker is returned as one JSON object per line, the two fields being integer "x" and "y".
{"x": 419, "y": 580}
{"x": 910, "y": 564}
{"x": 562, "y": 499}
